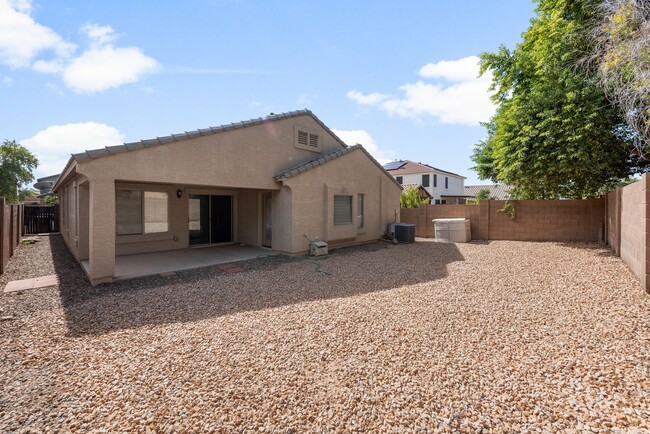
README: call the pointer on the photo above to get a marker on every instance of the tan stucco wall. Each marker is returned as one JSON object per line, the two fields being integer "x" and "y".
{"x": 241, "y": 163}
{"x": 351, "y": 174}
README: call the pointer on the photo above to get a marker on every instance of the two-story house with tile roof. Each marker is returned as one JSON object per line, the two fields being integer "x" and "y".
{"x": 443, "y": 186}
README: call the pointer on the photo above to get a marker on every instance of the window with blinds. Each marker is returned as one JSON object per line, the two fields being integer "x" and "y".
{"x": 141, "y": 212}
{"x": 342, "y": 210}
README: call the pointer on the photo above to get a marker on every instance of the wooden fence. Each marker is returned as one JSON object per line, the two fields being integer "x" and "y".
{"x": 41, "y": 219}
{"x": 11, "y": 227}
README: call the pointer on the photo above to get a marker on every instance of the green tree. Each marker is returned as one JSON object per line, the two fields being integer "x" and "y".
{"x": 410, "y": 197}
{"x": 554, "y": 133}
{"x": 16, "y": 165}
{"x": 621, "y": 54}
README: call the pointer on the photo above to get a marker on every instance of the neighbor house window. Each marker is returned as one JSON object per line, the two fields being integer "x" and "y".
{"x": 141, "y": 212}
{"x": 342, "y": 210}
{"x": 435, "y": 180}
{"x": 425, "y": 180}
{"x": 360, "y": 211}
{"x": 437, "y": 201}
{"x": 446, "y": 182}
{"x": 398, "y": 179}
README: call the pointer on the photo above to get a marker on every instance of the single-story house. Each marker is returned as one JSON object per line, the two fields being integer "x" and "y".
{"x": 443, "y": 187}
{"x": 264, "y": 182}
{"x": 496, "y": 191}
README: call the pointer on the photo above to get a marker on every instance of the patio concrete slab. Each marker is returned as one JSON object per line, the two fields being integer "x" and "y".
{"x": 38, "y": 282}
{"x": 148, "y": 264}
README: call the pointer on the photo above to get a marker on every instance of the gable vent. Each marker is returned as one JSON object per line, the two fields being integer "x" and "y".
{"x": 303, "y": 138}
{"x": 313, "y": 140}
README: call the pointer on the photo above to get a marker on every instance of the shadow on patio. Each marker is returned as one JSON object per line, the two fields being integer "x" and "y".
{"x": 266, "y": 283}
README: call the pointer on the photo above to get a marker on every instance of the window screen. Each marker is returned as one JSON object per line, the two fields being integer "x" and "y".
{"x": 342, "y": 210}
{"x": 425, "y": 180}
{"x": 446, "y": 182}
{"x": 398, "y": 179}
{"x": 435, "y": 180}
{"x": 128, "y": 212}
{"x": 155, "y": 212}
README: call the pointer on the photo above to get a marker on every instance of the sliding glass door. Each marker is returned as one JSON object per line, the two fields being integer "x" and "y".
{"x": 210, "y": 219}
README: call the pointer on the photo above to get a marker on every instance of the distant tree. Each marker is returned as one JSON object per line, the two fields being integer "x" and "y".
{"x": 16, "y": 165}
{"x": 483, "y": 194}
{"x": 621, "y": 54}
{"x": 52, "y": 199}
{"x": 410, "y": 197}
{"x": 554, "y": 134}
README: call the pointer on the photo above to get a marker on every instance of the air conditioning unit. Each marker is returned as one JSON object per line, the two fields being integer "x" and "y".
{"x": 405, "y": 233}
{"x": 317, "y": 248}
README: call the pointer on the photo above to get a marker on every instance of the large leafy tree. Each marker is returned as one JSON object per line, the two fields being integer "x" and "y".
{"x": 621, "y": 55}
{"x": 16, "y": 165}
{"x": 554, "y": 133}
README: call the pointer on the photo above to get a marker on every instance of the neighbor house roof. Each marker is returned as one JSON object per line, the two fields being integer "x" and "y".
{"x": 133, "y": 146}
{"x": 301, "y": 168}
{"x": 407, "y": 167}
{"x": 498, "y": 191}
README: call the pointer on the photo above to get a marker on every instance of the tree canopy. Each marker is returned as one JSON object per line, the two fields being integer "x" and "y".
{"x": 621, "y": 55}
{"x": 16, "y": 165}
{"x": 554, "y": 134}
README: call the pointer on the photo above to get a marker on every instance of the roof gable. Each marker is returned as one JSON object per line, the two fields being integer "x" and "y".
{"x": 297, "y": 170}
{"x": 406, "y": 167}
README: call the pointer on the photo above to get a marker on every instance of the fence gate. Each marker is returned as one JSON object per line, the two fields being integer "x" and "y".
{"x": 41, "y": 219}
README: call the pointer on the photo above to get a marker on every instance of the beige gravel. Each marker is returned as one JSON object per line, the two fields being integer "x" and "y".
{"x": 427, "y": 337}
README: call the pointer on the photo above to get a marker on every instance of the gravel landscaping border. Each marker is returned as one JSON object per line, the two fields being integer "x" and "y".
{"x": 424, "y": 337}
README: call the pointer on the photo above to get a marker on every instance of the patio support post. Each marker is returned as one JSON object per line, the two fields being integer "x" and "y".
{"x": 101, "y": 233}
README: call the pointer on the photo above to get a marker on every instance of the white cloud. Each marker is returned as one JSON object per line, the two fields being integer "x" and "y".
{"x": 459, "y": 96}
{"x": 100, "y": 67}
{"x": 352, "y": 137}
{"x": 7, "y": 81}
{"x": 465, "y": 69}
{"x": 22, "y": 39}
{"x": 370, "y": 99}
{"x": 54, "y": 144}
{"x": 98, "y": 35}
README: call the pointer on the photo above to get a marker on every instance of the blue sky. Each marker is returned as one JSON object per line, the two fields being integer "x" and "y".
{"x": 397, "y": 77}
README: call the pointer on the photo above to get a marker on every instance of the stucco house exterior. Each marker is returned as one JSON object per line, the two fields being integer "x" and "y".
{"x": 263, "y": 182}
{"x": 443, "y": 186}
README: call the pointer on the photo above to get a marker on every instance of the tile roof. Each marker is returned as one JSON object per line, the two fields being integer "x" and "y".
{"x": 498, "y": 191}
{"x": 297, "y": 170}
{"x": 411, "y": 167}
{"x": 109, "y": 150}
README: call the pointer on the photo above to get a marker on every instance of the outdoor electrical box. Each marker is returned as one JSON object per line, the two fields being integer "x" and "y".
{"x": 317, "y": 248}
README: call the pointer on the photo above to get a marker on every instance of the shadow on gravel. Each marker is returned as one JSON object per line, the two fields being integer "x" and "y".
{"x": 209, "y": 292}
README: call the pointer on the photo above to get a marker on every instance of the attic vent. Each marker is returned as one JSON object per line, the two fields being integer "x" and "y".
{"x": 308, "y": 141}
{"x": 303, "y": 138}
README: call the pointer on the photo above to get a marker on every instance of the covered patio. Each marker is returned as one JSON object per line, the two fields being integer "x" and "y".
{"x": 148, "y": 264}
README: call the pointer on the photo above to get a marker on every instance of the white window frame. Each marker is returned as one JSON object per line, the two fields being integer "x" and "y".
{"x": 360, "y": 214}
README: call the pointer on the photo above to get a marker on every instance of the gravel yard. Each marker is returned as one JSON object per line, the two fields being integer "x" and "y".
{"x": 427, "y": 337}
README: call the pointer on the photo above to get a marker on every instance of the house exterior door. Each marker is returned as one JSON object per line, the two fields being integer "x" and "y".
{"x": 210, "y": 219}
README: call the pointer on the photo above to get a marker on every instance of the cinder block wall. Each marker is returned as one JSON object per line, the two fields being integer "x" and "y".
{"x": 536, "y": 220}
{"x": 632, "y": 209}
{"x": 549, "y": 220}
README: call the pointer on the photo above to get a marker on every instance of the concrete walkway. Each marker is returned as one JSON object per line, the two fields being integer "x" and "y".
{"x": 147, "y": 264}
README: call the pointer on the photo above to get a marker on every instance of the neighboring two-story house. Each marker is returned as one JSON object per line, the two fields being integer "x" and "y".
{"x": 444, "y": 187}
